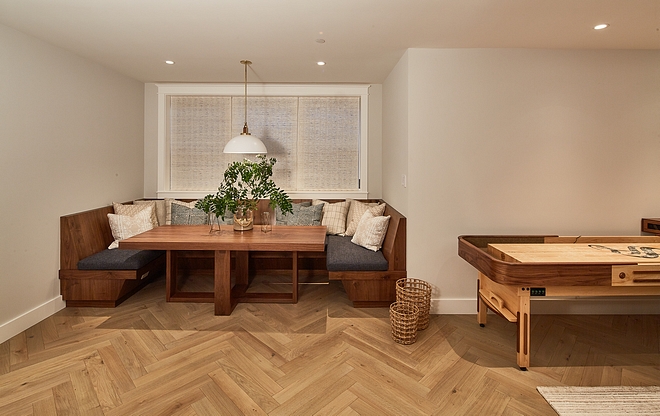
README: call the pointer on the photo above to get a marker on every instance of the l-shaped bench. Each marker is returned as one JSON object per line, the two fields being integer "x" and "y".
{"x": 85, "y": 236}
{"x": 367, "y": 283}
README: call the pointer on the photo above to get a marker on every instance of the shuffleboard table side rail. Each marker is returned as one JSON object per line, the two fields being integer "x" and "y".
{"x": 473, "y": 249}
{"x": 595, "y": 239}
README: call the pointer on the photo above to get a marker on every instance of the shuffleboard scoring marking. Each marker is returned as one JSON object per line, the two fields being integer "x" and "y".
{"x": 631, "y": 251}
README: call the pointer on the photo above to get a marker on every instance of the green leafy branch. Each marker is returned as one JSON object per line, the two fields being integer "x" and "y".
{"x": 244, "y": 184}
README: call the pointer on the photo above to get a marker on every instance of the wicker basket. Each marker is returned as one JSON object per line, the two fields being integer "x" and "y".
{"x": 417, "y": 292}
{"x": 403, "y": 318}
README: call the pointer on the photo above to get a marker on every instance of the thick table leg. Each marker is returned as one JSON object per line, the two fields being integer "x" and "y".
{"x": 222, "y": 283}
{"x": 524, "y": 328}
{"x": 294, "y": 277}
{"x": 170, "y": 274}
{"x": 242, "y": 258}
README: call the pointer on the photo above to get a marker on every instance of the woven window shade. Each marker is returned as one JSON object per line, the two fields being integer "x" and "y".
{"x": 198, "y": 130}
{"x": 274, "y": 121}
{"x": 328, "y": 143}
{"x": 314, "y": 139}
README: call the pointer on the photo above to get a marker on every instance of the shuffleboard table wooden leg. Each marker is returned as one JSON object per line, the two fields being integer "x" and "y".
{"x": 524, "y": 328}
{"x": 482, "y": 308}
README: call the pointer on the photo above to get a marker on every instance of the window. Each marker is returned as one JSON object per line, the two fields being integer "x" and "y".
{"x": 317, "y": 134}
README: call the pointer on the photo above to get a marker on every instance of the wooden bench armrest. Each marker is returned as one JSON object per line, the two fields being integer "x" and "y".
{"x": 83, "y": 234}
{"x": 394, "y": 245}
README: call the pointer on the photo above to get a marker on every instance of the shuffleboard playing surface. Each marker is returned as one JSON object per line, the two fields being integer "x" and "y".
{"x": 610, "y": 253}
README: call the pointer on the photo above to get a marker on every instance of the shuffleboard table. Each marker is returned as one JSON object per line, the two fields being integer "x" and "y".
{"x": 513, "y": 270}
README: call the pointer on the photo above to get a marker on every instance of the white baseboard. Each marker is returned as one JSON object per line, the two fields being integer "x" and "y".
{"x": 30, "y": 318}
{"x": 444, "y": 306}
{"x": 561, "y": 306}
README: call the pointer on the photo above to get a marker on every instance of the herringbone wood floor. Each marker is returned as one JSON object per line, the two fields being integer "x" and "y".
{"x": 319, "y": 357}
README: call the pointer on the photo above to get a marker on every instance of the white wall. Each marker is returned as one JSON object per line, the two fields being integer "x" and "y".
{"x": 71, "y": 139}
{"x": 521, "y": 142}
{"x": 395, "y": 136}
{"x": 375, "y": 142}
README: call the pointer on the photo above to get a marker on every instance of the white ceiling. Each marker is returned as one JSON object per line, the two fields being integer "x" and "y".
{"x": 364, "y": 38}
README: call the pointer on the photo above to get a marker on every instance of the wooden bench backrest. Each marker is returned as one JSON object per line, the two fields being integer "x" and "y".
{"x": 86, "y": 233}
{"x": 83, "y": 234}
{"x": 394, "y": 245}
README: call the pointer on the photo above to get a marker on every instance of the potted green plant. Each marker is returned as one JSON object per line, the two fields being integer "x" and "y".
{"x": 244, "y": 184}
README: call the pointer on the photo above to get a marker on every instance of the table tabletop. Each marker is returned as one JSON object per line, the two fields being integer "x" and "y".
{"x": 197, "y": 237}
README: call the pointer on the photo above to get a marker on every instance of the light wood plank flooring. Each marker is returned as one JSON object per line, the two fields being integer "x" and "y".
{"x": 318, "y": 357}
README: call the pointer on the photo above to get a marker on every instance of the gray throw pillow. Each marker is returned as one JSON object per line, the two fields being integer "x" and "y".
{"x": 229, "y": 218}
{"x": 302, "y": 215}
{"x": 182, "y": 215}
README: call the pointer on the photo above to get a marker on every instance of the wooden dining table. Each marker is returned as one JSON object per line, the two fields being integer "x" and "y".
{"x": 174, "y": 238}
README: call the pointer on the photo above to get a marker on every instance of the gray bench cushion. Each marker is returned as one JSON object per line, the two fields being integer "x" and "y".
{"x": 119, "y": 259}
{"x": 342, "y": 255}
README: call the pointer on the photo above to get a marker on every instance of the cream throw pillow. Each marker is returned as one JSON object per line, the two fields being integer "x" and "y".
{"x": 161, "y": 213}
{"x": 334, "y": 215}
{"x": 357, "y": 210}
{"x": 371, "y": 231}
{"x": 133, "y": 210}
{"x": 124, "y": 226}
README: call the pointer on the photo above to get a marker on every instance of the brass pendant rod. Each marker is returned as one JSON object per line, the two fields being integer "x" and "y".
{"x": 245, "y": 127}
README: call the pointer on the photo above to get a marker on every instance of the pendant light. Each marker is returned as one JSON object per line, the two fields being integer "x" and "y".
{"x": 245, "y": 143}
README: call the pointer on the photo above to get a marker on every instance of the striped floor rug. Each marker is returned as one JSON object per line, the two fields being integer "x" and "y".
{"x": 613, "y": 400}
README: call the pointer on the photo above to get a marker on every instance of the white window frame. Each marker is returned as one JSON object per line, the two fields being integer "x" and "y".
{"x": 281, "y": 90}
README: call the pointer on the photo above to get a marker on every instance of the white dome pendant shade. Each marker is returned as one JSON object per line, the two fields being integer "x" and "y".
{"x": 245, "y": 143}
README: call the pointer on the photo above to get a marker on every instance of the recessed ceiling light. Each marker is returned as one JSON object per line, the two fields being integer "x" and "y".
{"x": 169, "y": 62}
{"x": 320, "y": 41}
{"x": 602, "y": 26}
{"x": 320, "y": 63}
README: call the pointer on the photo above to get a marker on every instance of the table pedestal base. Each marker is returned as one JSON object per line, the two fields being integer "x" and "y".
{"x": 224, "y": 296}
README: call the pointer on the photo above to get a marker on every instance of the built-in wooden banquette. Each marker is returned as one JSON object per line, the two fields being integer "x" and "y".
{"x": 86, "y": 233}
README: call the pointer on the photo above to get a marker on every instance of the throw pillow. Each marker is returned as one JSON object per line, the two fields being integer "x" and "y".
{"x": 371, "y": 231}
{"x": 132, "y": 210}
{"x": 356, "y": 211}
{"x": 168, "y": 211}
{"x": 125, "y": 226}
{"x": 185, "y": 213}
{"x": 334, "y": 216}
{"x": 161, "y": 210}
{"x": 303, "y": 214}
{"x": 282, "y": 219}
